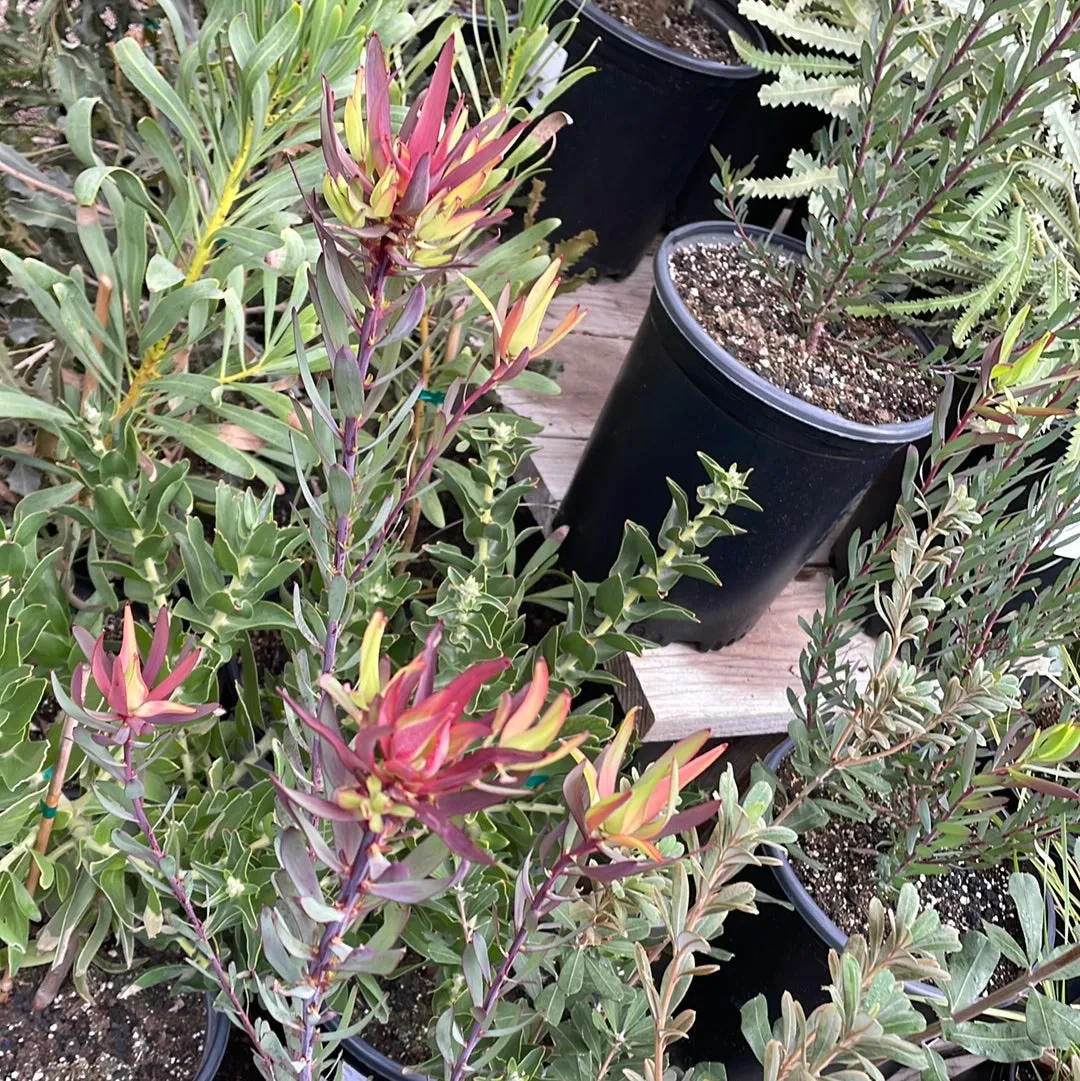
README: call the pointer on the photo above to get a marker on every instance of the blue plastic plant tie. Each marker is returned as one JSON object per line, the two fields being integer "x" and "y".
{"x": 536, "y": 780}
{"x": 46, "y": 811}
{"x": 434, "y": 397}
{"x": 47, "y": 773}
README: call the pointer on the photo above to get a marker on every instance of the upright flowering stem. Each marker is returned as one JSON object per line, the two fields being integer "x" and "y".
{"x": 369, "y": 332}
{"x": 181, "y": 896}
{"x": 320, "y": 969}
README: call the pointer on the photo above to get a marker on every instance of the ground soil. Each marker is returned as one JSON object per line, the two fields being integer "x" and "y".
{"x": 672, "y": 24}
{"x": 866, "y": 370}
{"x": 848, "y": 880}
{"x": 44, "y": 716}
{"x": 147, "y": 1037}
{"x": 404, "y": 1038}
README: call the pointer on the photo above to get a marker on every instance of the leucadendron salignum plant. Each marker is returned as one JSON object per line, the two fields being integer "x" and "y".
{"x": 936, "y": 742}
{"x": 402, "y": 760}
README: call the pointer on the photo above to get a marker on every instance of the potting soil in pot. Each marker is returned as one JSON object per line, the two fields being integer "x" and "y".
{"x": 865, "y": 370}
{"x": 150, "y": 1036}
{"x": 843, "y": 879}
{"x": 404, "y": 1038}
{"x": 675, "y": 25}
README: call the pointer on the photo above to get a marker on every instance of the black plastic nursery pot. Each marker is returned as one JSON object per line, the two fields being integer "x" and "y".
{"x": 363, "y": 1063}
{"x": 217, "y": 1040}
{"x": 639, "y": 125}
{"x": 749, "y": 132}
{"x": 678, "y": 393}
{"x": 783, "y": 948}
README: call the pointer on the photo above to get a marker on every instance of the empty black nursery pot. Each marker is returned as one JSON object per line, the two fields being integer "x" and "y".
{"x": 678, "y": 392}
{"x": 639, "y": 125}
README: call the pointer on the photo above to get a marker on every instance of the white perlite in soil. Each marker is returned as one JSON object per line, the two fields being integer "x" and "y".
{"x": 866, "y": 370}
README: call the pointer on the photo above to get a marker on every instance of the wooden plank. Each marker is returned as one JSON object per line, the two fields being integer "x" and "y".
{"x": 740, "y": 690}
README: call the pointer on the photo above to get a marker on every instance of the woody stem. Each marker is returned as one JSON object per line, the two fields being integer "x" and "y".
{"x": 196, "y": 924}
{"x": 320, "y": 969}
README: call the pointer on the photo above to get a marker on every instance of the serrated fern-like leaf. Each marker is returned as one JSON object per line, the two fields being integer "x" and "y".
{"x": 790, "y": 187}
{"x": 1057, "y": 205}
{"x": 775, "y": 62}
{"x": 832, "y": 94}
{"x": 1021, "y": 266}
{"x": 806, "y": 176}
{"x": 993, "y": 196}
{"x": 1072, "y": 453}
{"x": 1064, "y": 124}
{"x": 806, "y": 31}
{"x": 921, "y": 306}
{"x": 978, "y": 303}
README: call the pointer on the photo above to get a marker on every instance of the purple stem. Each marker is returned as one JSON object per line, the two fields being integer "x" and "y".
{"x": 369, "y": 332}
{"x": 321, "y": 965}
{"x": 426, "y": 464}
{"x": 497, "y": 985}
{"x": 197, "y": 925}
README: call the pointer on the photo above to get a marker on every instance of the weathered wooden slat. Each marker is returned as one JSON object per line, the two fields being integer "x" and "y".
{"x": 740, "y": 690}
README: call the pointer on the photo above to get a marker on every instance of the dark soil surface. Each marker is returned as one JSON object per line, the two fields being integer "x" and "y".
{"x": 1048, "y": 713}
{"x": 866, "y": 370}
{"x": 44, "y": 716}
{"x": 405, "y": 1037}
{"x": 148, "y": 1037}
{"x": 672, "y": 24}
{"x": 270, "y": 650}
{"x": 847, "y": 881}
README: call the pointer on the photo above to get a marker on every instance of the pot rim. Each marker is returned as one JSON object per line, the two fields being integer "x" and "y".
{"x": 370, "y": 1058}
{"x": 218, "y": 1030}
{"x": 666, "y": 53}
{"x": 749, "y": 381}
{"x": 815, "y": 916}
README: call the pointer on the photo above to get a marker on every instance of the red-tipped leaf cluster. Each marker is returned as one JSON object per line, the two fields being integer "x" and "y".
{"x": 417, "y": 754}
{"x": 429, "y": 184}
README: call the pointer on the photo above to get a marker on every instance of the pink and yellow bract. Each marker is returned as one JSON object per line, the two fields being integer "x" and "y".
{"x": 417, "y": 754}
{"x": 132, "y": 705}
{"x": 427, "y": 186}
{"x": 643, "y": 812}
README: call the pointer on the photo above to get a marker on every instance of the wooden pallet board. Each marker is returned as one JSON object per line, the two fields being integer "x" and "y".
{"x": 739, "y": 691}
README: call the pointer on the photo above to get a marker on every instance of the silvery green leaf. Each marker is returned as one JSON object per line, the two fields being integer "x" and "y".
{"x": 1005, "y": 1041}
{"x": 1051, "y": 1023}
{"x": 1030, "y": 901}
{"x": 755, "y": 1025}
